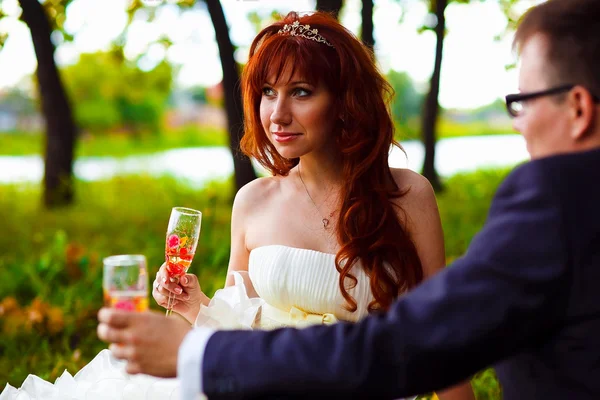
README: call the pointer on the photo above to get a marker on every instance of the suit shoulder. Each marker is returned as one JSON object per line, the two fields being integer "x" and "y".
{"x": 556, "y": 172}
{"x": 531, "y": 174}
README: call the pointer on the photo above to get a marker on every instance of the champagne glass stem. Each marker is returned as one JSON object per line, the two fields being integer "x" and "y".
{"x": 170, "y": 304}
{"x": 171, "y": 299}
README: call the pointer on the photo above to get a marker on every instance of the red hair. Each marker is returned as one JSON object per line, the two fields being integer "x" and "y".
{"x": 368, "y": 228}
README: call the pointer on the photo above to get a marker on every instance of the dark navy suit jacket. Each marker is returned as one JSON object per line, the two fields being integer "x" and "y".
{"x": 525, "y": 298}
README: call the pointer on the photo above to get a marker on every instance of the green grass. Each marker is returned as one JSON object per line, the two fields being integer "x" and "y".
{"x": 464, "y": 205}
{"x": 50, "y": 261}
{"x": 447, "y": 129}
{"x": 118, "y": 144}
{"x": 451, "y": 129}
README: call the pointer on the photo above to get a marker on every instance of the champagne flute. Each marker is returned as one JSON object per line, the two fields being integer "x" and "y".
{"x": 183, "y": 232}
{"x": 125, "y": 282}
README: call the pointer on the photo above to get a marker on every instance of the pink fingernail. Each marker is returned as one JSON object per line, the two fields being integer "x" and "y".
{"x": 177, "y": 290}
{"x": 184, "y": 280}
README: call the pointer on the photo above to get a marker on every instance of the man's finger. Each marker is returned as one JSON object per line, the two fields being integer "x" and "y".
{"x": 115, "y": 318}
{"x": 119, "y": 351}
{"x": 108, "y": 334}
{"x": 133, "y": 368}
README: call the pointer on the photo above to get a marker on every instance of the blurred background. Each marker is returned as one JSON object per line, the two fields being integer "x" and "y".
{"x": 114, "y": 111}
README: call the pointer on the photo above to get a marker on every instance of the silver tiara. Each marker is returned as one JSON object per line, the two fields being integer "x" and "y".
{"x": 295, "y": 29}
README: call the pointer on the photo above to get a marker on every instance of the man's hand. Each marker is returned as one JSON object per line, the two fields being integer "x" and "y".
{"x": 148, "y": 341}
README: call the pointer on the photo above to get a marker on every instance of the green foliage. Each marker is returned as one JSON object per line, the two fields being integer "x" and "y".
{"x": 450, "y": 129}
{"x": 110, "y": 93}
{"x": 406, "y": 105}
{"x": 197, "y": 94}
{"x": 18, "y": 101}
{"x": 485, "y": 385}
{"x": 447, "y": 128}
{"x": 97, "y": 115}
{"x": 119, "y": 145}
{"x": 489, "y": 110}
{"x": 50, "y": 261}
{"x": 56, "y": 12}
{"x": 464, "y": 205}
{"x": 406, "y": 109}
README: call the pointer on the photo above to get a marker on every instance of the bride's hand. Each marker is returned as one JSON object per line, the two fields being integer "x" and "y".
{"x": 188, "y": 294}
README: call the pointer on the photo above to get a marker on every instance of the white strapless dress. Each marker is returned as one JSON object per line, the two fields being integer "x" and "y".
{"x": 297, "y": 287}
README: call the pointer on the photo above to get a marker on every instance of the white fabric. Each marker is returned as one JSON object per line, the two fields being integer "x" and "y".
{"x": 103, "y": 378}
{"x": 230, "y": 308}
{"x": 189, "y": 362}
{"x": 300, "y": 287}
{"x": 287, "y": 277}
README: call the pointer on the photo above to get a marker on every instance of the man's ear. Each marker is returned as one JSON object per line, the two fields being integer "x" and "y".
{"x": 583, "y": 111}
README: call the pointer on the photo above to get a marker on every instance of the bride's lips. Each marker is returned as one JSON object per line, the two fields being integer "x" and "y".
{"x": 283, "y": 137}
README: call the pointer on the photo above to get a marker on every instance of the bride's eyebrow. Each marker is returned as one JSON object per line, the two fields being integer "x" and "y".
{"x": 291, "y": 83}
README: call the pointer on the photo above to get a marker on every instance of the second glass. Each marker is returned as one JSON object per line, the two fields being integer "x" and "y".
{"x": 183, "y": 232}
{"x": 125, "y": 282}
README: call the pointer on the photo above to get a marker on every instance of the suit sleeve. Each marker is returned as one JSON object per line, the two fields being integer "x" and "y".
{"x": 507, "y": 292}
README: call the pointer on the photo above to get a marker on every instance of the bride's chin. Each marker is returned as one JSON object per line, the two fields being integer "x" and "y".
{"x": 289, "y": 153}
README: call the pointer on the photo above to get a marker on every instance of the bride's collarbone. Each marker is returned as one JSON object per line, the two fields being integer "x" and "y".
{"x": 291, "y": 224}
{"x": 295, "y": 237}
{"x": 313, "y": 226}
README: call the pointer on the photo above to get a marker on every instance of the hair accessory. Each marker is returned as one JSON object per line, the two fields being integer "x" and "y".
{"x": 295, "y": 29}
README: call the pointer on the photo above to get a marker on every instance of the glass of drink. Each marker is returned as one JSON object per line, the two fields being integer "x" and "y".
{"x": 183, "y": 232}
{"x": 125, "y": 282}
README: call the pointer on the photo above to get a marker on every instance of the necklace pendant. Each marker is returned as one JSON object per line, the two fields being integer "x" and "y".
{"x": 325, "y": 223}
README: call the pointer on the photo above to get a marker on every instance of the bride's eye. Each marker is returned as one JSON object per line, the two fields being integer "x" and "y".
{"x": 267, "y": 91}
{"x": 301, "y": 92}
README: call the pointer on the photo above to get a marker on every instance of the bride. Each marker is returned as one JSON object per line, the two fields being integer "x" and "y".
{"x": 332, "y": 235}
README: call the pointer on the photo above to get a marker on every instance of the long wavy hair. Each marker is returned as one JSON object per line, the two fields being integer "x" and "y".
{"x": 368, "y": 228}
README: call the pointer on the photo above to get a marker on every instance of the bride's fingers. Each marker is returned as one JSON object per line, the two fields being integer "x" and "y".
{"x": 161, "y": 296}
{"x": 167, "y": 285}
{"x": 161, "y": 289}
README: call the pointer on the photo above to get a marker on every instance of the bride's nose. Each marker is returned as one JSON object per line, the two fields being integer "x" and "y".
{"x": 281, "y": 114}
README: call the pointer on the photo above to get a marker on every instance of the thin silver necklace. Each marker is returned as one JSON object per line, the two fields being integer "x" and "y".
{"x": 324, "y": 220}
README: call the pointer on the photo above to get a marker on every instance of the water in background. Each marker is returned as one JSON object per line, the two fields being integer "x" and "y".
{"x": 200, "y": 165}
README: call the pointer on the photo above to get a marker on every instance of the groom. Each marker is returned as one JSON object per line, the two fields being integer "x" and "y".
{"x": 524, "y": 298}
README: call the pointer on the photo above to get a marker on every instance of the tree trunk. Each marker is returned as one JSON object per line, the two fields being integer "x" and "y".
{"x": 367, "y": 24}
{"x": 243, "y": 170}
{"x": 431, "y": 111}
{"x": 331, "y": 6}
{"x": 60, "y": 127}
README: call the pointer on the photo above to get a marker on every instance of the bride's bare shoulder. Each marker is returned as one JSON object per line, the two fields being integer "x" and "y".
{"x": 405, "y": 177}
{"x": 258, "y": 191}
{"x": 419, "y": 192}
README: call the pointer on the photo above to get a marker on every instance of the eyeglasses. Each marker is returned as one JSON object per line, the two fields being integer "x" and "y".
{"x": 514, "y": 102}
